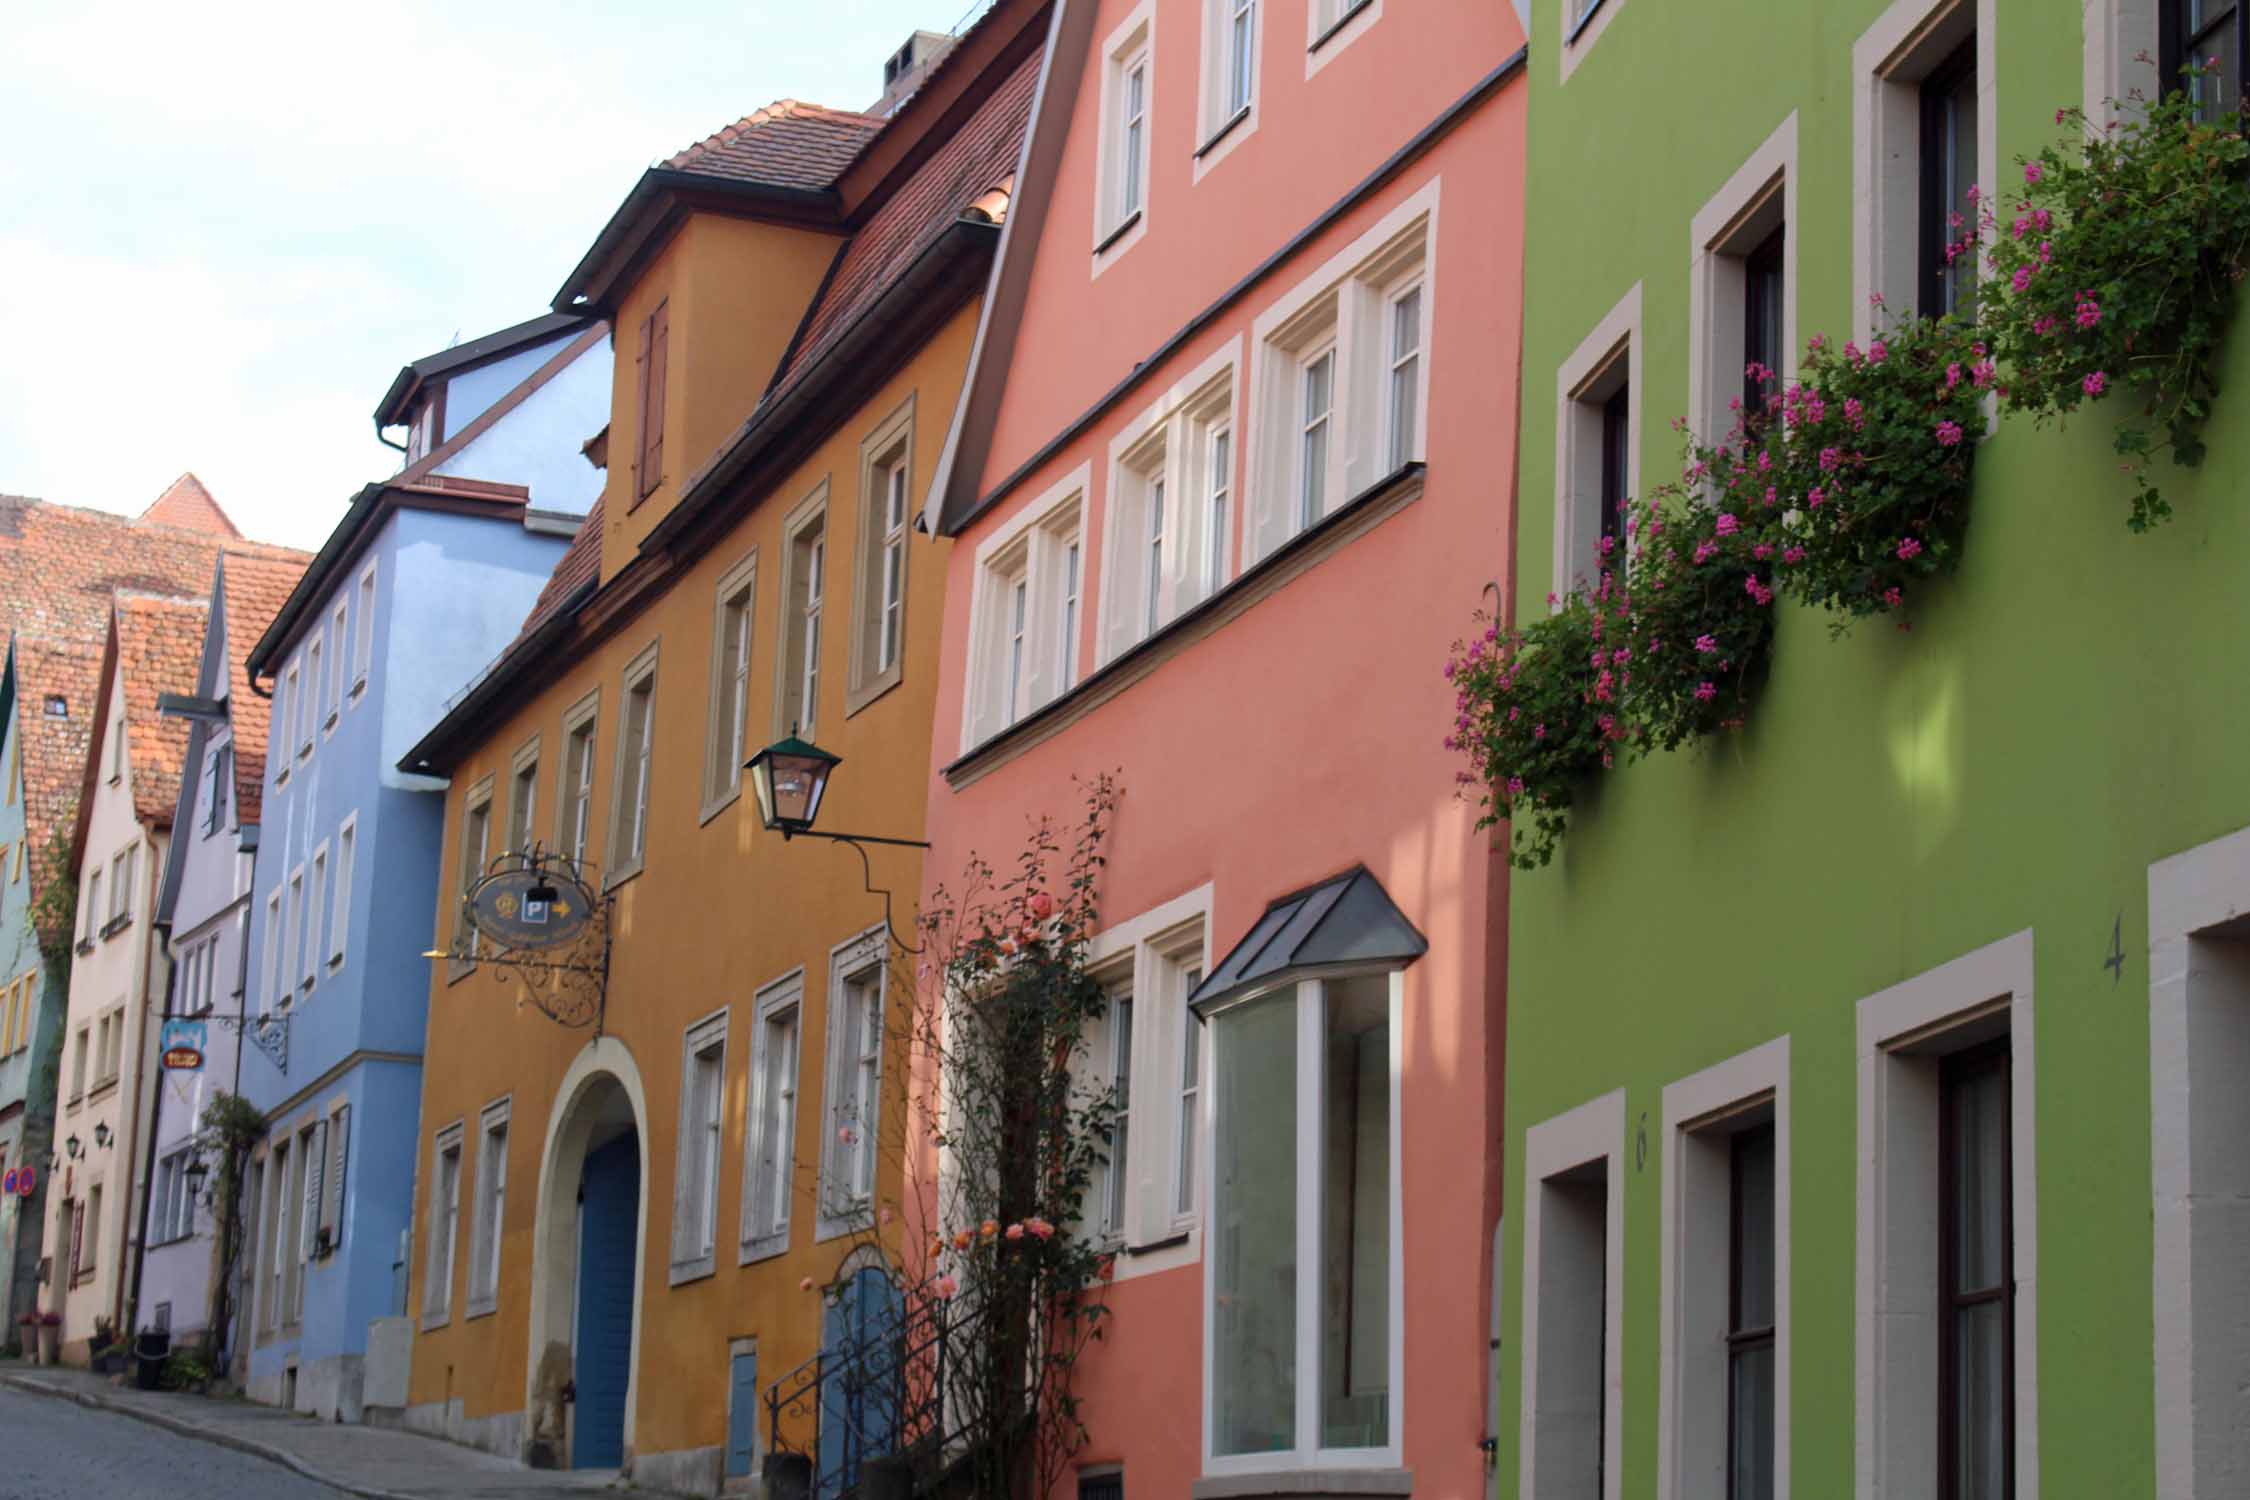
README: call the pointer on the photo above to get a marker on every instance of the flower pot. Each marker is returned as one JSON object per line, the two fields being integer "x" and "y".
{"x": 50, "y": 1341}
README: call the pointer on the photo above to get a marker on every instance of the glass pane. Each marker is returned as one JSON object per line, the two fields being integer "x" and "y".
{"x": 1254, "y": 1236}
{"x": 1753, "y": 1229}
{"x": 1980, "y": 1397}
{"x": 1961, "y": 176}
{"x": 1355, "y": 1230}
{"x": 1750, "y": 1424}
{"x": 1980, "y": 1102}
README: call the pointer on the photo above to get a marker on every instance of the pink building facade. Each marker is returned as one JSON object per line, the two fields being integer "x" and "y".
{"x": 1231, "y": 469}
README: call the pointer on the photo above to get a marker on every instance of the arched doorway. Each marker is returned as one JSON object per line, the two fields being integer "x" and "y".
{"x": 592, "y": 1235}
{"x": 862, "y": 1374}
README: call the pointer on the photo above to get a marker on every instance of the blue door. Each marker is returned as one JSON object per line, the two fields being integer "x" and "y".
{"x": 859, "y": 1381}
{"x": 742, "y": 1414}
{"x": 609, "y": 1203}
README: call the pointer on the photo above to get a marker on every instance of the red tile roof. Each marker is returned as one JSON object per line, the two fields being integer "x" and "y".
{"x": 159, "y": 650}
{"x": 787, "y": 144}
{"x": 580, "y": 563}
{"x": 256, "y": 588}
{"x": 188, "y": 505}
{"x": 959, "y": 178}
{"x": 54, "y": 746}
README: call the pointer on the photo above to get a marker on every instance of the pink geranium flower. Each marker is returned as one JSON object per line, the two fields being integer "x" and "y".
{"x": 2032, "y": 171}
{"x": 2095, "y": 383}
{"x": 1948, "y": 433}
{"x": 1909, "y": 549}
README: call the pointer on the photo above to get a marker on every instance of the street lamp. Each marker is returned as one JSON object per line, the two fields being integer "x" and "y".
{"x": 75, "y": 1147}
{"x": 790, "y": 777}
{"x": 101, "y": 1135}
{"x": 197, "y": 1170}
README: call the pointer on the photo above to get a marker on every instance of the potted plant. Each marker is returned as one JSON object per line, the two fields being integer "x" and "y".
{"x": 106, "y": 1349}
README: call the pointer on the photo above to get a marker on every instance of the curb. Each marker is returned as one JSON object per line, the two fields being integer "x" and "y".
{"x": 175, "y": 1425}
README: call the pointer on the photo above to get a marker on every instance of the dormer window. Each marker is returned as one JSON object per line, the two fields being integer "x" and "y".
{"x": 58, "y": 707}
{"x": 421, "y": 432}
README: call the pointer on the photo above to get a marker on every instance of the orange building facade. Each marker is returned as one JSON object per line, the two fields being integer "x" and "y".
{"x": 1231, "y": 466}
{"x": 633, "y": 1223}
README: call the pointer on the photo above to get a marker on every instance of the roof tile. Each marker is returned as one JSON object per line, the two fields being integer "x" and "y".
{"x": 159, "y": 650}
{"x": 256, "y": 588}
{"x": 788, "y": 144}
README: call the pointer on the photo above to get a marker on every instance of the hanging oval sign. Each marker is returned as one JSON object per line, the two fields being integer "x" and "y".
{"x": 530, "y": 906}
{"x": 183, "y": 1045}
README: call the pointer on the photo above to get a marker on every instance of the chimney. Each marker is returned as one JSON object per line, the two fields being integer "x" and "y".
{"x": 904, "y": 69}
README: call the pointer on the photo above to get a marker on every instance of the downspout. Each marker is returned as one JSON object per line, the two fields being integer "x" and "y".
{"x": 130, "y": 1243}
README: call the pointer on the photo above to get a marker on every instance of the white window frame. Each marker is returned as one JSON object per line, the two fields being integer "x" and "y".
{"x": 1702, "y": 1113}
{"x": 293, "y": 934}
{"x": 1151, "y": 954}
{"x": 1165, "y": 449}
{"x": 1760, "y": 197}
{"x": 2123, "y": 39}
{"x": 726, "y": 741}
{"x": 339, "y": 642}
{"x": 881, "y": 557}
{"x": 840, "y": 1211}
{"x": 489, "y": 1230}
{"x": 1224, "y": 121}
{"x": 316, "y": 911}
{"x": 570, "y": 839}
{"x": 363, "y": 649}
{"x": 523, "y": 832}
{"x": 635, "y": 779}
{"x": 765, "y": 1230}
{"x": 1333, "y": 25}
{"x": 2199, "y": 1029}
{"x": 1608, "y": 357}
{"x": 700, "y": 1144}
{"x": 1592, "y": 1132}
{"x": 803, "y": 640}
{"x": 1110, "y": 1211}
{"x": 339, "y": 928}
{"x": 1311, "y": 1017}
{"x": 1902, "y": 1033}
{"x": 468, "y": 866}
{"x": 270, "y": 997}
{"x": 1034, "y": 545}
{"x": 1344, "y": 303}
{"x": 1889, "y": 61}
{"x": 1130, "y": 46}
{"x": 441, "y": 1216}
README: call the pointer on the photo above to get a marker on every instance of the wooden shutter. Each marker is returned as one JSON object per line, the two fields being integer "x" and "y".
{"x": 654, "y": 340}
{"x": 314, "y": 1148}
{"x": 332, "y": 1200}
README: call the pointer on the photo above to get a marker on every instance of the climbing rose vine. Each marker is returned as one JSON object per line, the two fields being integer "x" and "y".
{"x": 2113, "y": 270}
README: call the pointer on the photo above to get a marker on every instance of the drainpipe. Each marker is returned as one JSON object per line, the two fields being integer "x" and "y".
{"x": 133, "y": 1244}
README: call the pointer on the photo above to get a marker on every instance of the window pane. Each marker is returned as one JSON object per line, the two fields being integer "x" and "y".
{"x": 1981, "y": 1397}
{"x": 1750, "y": 1443}
{"x": 1980, "y": 1102}
{"x": 1754, "y": 1230}
{"x": 1355, "y": 1238}
{"x": 1254, "y": 1238}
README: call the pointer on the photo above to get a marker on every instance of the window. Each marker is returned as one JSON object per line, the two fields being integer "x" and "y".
{"x": 218, "y": 764}
{"x": 695, "y": 1191}
{"x": 1750, "y": 1287}
{"x": 278, "y": 1243}
{"x": 272, "y": 995}
{"x": 492, "y": 1199}
{"x": 1597, "y": 444}
{"x": 316, "y": 684}
{"x": 1115, "y": 1181}
{"x": 1949, "y": 173}
{"x": 648, "y": 466}
{"x": 91, "y": 1243}
{"x": 576, "y": 802}
{"x": 1303, "y": 1207}
{"x": 1741, "y": 309}
{"x": 1332, "y": 25}
{"x": 1228, "y": 96}
{"x": 1573, "y": 1256}
{"x": 1170, "y": 489}
{"x": 1583, "y": 22}
{"x": 440, "y": 1220}
{"x": 292, "y": 1221}
{"x": 1762, "y": 338}
{"x": 1344, "y": 376}
{"x": 1218, "y": 490}
{"x": 1105, "y": 1483}
{"x": 312, "y": 1150}
{"x": 886, "y": 511}
{"x": 636, "y": 733}
{"x": 725, "y": 748}
{"x": 1025, "y": 611}
{"x": 113, "y": 1045}
{"x": 332, "y": 1182}
{"x": 1121, "y": 170}
{"x": 78, "y": 1056}
{"x": 851, "y": 1143}
{"x": 472, "y": 857}
{"x": 523, "y": 797}
{"x": 771, "y": 1158}
{"x": 1924, "y": 135}
{"x": 804, "y": 582}
{"x": 316, "y": 911}
{"x": 93, "y": 907}
{"x": 119, "y": 738}
{"x": 1976, "y": 1278}
{"x": 2208, "y": 32}
{"x": 293, "y": 915}
{"x": 1188, "y": 1133}
{"x": 293, "y": 726}
{"x": 172, "y": 1201}
{"x": 1947, "y": 1207}
{"x": 364, "y": 648}
{"x": 339, "y": 642}
{"x": 347, "y": 842}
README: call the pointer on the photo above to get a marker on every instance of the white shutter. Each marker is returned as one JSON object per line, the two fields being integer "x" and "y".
{"x": 315, "y": 1152}
{"x": 332, "y": 1200}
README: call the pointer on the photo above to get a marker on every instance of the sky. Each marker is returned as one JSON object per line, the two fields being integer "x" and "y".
{"x": 224, "y": 227}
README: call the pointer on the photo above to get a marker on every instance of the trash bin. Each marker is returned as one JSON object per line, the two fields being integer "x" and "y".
{"x": 151, "y": 1348}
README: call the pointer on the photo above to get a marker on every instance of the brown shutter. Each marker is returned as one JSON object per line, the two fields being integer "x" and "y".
{"x": 653, "y": 342}
{"x": 640, "y": 408}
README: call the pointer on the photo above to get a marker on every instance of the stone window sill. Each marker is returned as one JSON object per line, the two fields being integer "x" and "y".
{"x": 1305, "y": 1484}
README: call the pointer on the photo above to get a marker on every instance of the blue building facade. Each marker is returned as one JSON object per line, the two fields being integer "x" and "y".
{"x": 423, "y": 583}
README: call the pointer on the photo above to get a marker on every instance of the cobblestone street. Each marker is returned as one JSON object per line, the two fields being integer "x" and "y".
{"x": 60, "y": 1448}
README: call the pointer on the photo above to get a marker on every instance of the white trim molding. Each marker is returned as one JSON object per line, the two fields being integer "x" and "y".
{"x": 1701, "y": 1113}
{"x": 1603, "y": 361}
{"x": 2199, "y": 1053}
{"x": 2122, "y": 37}
{"x": 1902, "y": 1033}
{"x": 1590, "y": 1136}
{"x": 1759, "y": 198}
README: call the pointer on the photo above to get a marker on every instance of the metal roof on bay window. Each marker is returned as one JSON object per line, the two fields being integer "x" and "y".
{"x": 1346, "y": 922}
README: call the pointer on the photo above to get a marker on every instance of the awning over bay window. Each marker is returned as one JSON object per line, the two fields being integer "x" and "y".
{"x": 1346, "y": 922}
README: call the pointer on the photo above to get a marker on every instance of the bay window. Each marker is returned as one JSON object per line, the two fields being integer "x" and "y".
{"x": 1302, "y": 1271}
{"x": 1026, "y": 612}
{"x": 1171, "y": 483}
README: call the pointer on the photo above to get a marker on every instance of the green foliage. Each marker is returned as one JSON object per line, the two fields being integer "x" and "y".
{"x": 1697, "y": 623}
{"x": 186, "y": 1370}
{"x": 54, "y": 915}
{"x": 2115, "y": 268}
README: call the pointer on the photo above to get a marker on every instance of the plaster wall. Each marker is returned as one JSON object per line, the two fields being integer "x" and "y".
{"x": 537, "y": 444}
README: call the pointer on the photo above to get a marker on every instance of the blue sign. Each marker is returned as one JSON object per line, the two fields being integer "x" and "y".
{"x": 183, "y": 1045}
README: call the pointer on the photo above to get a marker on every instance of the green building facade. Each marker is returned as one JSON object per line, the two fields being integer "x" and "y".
{"x": 1878, "y": 1074}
